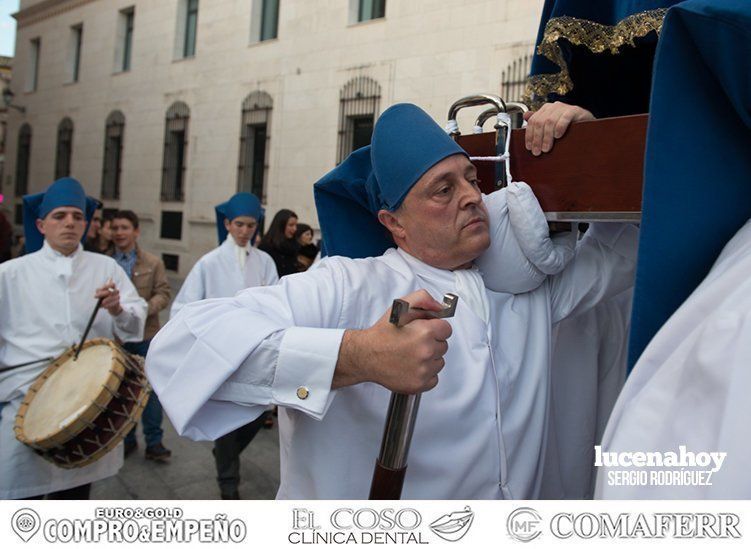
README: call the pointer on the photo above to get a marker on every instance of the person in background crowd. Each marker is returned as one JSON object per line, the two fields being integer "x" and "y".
{"x": 46, "y": 299}
{"x": 102, "y": 243}
{"x": 149, "y": 276}
{"x": 223, "y": 272}
{"x": 279, "y": 242}
{"x": 91, "y": 243}
{"x": 307, "y": 251}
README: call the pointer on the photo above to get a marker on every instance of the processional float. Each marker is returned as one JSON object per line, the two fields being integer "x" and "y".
{"x": 594, "y": 173}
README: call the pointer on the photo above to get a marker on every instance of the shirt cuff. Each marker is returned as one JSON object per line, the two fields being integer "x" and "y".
{"x": 305, "y": 369}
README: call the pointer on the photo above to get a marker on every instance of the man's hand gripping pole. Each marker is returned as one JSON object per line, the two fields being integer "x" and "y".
{"x": 391, "y": 465}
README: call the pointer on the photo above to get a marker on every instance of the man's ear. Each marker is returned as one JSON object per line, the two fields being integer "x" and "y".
{"x": 40, "y": 225}
{"x": 226, "y": 224}
{"x": 391, "y": 221}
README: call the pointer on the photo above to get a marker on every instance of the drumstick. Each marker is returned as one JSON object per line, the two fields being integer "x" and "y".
{"x": 91, "y": 321}
{"x": 45, "y": 359}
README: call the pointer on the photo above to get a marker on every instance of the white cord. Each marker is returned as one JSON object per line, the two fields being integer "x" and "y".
{"x": 501, "y": 158}
{"x": 452, "y": 127}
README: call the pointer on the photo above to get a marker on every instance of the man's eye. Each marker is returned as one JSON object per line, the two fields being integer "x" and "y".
{"x": 475, "y": 182}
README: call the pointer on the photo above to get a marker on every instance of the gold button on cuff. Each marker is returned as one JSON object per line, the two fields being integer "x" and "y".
{"x": 302, "y": 393}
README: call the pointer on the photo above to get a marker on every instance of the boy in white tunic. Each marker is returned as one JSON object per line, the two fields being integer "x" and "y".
{"x": 230, "y": 268}
{"x": 46, "y": 298}
{"x": 320, "y": 345}
{"x": 235, "y": 264}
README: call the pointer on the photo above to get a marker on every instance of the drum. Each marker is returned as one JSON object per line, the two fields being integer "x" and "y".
{"x": 80, "y": 409}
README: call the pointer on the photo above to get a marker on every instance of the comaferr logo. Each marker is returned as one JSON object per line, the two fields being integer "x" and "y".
{"x": 524, "y": 524}
{"x": 657, "y": 525}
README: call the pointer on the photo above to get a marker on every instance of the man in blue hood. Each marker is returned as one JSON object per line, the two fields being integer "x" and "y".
{"x": 401, "y": 218}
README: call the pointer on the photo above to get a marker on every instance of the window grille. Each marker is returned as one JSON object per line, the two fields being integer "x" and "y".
{"x": 175, "y": 152}
{"x": 64, "y": 148}
{"x": 514, "y": 78}
{"x": 358, "y": 105}
{"x": 113, "y": 152}
{"x": 254, "y": 144}
{"x": 23, "y": 158}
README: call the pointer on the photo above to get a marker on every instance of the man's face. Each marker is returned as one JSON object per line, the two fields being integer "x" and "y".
{"x": 63, "y": 229}
{"x": 241, "y": 228}
{"x": 124, "y": 234}
{"x": 442, "y": 221}
{"x": 94, "y": 226}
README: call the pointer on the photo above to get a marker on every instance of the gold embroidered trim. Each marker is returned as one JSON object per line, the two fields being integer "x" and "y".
{"x": 596, "y": 37}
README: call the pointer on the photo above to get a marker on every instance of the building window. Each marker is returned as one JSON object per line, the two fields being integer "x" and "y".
{"x": 264, "y": 20}
{"x": 269, "y": 19}
{"x": 64, "y": 148}
{"x": 74, "y": 55}
{"x": 370, "y": 9}
{"x": 32, "y": 73}
{"x": 172, "y": 225}
{"x": 358, "y": 105}
{"x": 514, "y": 78}
{"x": 171, "y": 262}
{"x": 187, "y": 27}
{"x": 175, "y": 152}
{"x": 23, "y": 158}
{"x": 254, "y": 140}
{"x": 124, "y": 50}
{"x": 113, "y": 154}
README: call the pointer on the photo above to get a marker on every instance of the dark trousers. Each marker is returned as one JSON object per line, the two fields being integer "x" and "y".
{"x": 151, "y": 419}
{"x": 227, "y": 450}
{"x": 77, "y": 492}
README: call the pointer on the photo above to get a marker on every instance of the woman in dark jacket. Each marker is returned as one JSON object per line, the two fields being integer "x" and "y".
{"x": 279, "y": 242}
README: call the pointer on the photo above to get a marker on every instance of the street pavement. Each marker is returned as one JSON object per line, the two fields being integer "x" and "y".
{"x": 190, "y": 474}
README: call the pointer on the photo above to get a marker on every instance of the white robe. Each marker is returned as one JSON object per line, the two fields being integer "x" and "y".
{"x": 479, "y": 434}
{"x": 691, "y": 386}
{"x": 588, "y": 370}
{"x": 218, "y": 274}
{"x": 45, "y": 302}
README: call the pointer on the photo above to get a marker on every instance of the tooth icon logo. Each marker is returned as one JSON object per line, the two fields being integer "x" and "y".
{"x": 454, "y": 526}
{"x": 25, "y": 523}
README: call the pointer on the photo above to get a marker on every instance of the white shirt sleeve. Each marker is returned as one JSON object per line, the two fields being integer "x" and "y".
{"x": 220, "y": 362}
{"x": 604, "y": 266}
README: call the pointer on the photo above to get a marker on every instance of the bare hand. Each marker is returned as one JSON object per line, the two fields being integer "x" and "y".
{"x": 549, "y": 123}
{"x": 111, "y": 295}
{"x": 406, "y": 359}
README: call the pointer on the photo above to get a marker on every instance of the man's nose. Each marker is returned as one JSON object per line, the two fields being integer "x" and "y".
{"x": 470, "y": 195}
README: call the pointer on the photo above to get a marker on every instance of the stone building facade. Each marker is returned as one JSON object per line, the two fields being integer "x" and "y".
{"x": 167, "y": 107}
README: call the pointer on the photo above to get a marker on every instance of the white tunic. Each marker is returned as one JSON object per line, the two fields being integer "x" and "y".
{"x": 219, "y": 274}
{"x": 45, "y": 302}
{"x": 691, "y": 386}
{"x": 479, "y": 433}
{"x": 588, "y": 370}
